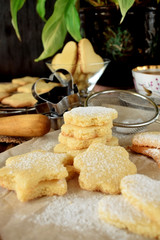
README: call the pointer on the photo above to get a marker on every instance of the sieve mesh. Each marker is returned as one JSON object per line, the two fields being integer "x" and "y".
{"x": 134, "y": 110}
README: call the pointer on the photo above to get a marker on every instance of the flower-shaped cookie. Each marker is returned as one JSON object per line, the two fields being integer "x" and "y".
{"x": 35, "y": 174}
{"x": 102, "y": 167}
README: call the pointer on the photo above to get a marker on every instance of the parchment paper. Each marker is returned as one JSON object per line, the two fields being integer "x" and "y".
{"x": 73, "y": 216}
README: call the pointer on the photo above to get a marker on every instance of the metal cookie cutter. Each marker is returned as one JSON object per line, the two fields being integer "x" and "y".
{"x": 59, "y": 99}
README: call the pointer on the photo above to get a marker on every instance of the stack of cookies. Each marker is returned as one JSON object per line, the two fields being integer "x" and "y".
{"x": 84, "y": 126}
{"x": 36, "y": 174}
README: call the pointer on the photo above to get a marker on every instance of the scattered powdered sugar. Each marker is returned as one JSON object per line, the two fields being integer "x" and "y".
{"x": 78, "y": 211}
{"x": 47, "y": 142}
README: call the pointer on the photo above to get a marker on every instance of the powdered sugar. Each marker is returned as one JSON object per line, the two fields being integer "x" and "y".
{"x": 47, "y": 142}
{"x": 154, "y": 153}
{"x": 91, "y": 111}
{"x": 78, "y": 211}
{"x": 151, "y": 139}
{"x": 143, "y": 187}
{"x": 43, "y": 218}
{"x": 37, "y": 166}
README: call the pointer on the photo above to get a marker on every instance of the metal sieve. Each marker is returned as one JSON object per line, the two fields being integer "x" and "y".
{"x": 135, "y": 111}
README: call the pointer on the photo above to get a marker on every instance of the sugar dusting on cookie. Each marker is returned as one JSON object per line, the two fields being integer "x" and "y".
{"x": 151, "y": 139}
{"x": 40, "y": 159}
{"x": 92, "y": 112}
{"x": 119, "y": 212}
{"x": 90, "y": 116}
{"x": 142, "y": 187}
{"x": 102, "y": 167}
{"x": 96, "y": 110}
{"x": 154, "y": 153}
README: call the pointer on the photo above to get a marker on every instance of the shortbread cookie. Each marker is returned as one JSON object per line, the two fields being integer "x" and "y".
{"x": 102, "y": 167}
{"x": 90, "y": 62}
{"x": 86, "y": 132}
{"x": 41, "y": 87}
{"x": 62, "y": 148}
{"x": 119, "y": 212}
{"x": 44, "y": 188}
{"x": 74, "y": 143}
{"x": 3, "y": 95}
{"x": 143, "y": 193}
{"x": 147, "y": 139}
{"x": 20, "y": 100}
{"x": 154, "y": 153}
{"x": 90, "y": 116}
{"x": 8, "y": 87}
{"x": 23, "y": 173}
{"x": 77, "y": 71}
{"x": 67, "y": 58}
{"x": 147, "y": 143}
{"x": 24, "y": 80}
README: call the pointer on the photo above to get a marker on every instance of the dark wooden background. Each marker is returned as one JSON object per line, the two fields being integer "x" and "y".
{"x": 17, "y": 58}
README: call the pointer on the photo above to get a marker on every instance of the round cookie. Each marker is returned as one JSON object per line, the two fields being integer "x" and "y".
{"x": 143, "y": 193}
{"x": 119, "y": 212}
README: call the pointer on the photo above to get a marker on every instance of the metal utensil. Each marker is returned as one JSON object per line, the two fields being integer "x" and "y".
{"x": 59, "y": 99}
{"x": 135, "y": 111}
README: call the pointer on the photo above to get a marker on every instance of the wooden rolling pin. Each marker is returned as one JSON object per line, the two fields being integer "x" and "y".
{"x": 27, "y": 125}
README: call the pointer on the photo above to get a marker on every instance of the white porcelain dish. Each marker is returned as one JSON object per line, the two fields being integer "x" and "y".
{"x": 147, "y": 81}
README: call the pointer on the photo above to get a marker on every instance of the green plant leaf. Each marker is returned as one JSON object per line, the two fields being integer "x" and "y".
{"x": 15, "y": 6}
{"x": 53, "y": 37}
{"x": 125, "y": 5}
{"x": 55, "y": 29}
{"x": 55, "y": 41}
{"x": 73, "y": 22}
{"x": 40, "y": 8}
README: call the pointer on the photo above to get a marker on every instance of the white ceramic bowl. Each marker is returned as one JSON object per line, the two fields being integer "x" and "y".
{"x": 147, "y": 81}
